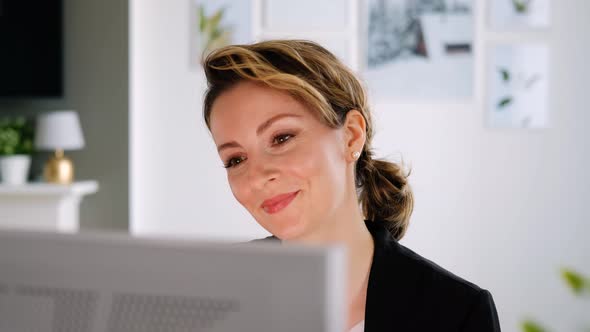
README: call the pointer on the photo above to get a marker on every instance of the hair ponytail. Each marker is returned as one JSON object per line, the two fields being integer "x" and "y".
{"x": 385, "y": 194}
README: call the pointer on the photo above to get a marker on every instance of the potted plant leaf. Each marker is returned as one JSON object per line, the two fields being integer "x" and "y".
{"x": 578, "y": 284}
{"x": 213, "y": 34}
{"x": 16, "y": 147}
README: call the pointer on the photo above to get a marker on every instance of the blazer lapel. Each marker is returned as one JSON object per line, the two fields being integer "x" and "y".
{"x": 389, "y": 304}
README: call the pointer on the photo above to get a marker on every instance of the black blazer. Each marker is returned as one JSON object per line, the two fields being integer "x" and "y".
{"x": 407, "y": 292}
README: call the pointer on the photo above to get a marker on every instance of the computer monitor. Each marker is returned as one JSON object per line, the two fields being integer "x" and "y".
{"x": 116, "y": 283}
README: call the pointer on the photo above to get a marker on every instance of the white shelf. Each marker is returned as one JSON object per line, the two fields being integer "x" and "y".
{"x": 43, "y": 206}
{"x": 42, "y": 188}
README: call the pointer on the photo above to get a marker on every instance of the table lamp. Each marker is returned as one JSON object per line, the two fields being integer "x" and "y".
{"x": 59, "y": 131}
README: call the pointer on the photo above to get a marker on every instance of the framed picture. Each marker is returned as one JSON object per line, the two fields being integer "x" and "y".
{"x": 519, "y": 14}
{"x": 419, "y": 49}
{"x": 518, "y": 78}
{"x": 216, "y": 23}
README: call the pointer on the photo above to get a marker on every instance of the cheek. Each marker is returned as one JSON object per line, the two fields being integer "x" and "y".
{"x": 322, "y": 165}
{"x": 301, "y": 165}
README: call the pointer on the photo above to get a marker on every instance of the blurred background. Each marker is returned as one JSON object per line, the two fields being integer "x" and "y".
{"x": 486, "y": 101}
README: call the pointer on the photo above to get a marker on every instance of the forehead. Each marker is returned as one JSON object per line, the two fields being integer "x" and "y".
{"x": 248, "y": 104}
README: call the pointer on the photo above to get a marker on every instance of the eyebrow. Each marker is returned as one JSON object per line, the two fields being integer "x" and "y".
{"x": 265, "y": 125}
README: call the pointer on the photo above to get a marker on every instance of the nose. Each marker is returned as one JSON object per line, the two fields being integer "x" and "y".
{"x": 263, "y": 171}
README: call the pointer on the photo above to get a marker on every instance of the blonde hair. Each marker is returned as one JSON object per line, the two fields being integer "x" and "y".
{"x": 316, "y": 78}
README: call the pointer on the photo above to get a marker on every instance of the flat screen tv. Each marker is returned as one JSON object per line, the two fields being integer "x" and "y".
{"x": 31, "y": 48}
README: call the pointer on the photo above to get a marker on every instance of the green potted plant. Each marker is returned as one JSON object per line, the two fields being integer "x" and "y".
{"x": 16, "y": 147}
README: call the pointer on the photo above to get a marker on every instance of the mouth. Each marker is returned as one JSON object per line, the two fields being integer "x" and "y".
{"x": 278, "y": 202}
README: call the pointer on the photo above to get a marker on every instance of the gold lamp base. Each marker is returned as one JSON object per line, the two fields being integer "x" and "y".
{"x": 59, "y": 169}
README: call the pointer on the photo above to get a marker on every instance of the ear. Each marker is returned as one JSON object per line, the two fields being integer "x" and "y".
{"x": 354, "y": 132}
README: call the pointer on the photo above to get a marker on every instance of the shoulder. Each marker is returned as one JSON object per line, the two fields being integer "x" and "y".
{"x": 419, "y": 287}
{"x": 430, "y": 273}
{"x": 391, "y": 257}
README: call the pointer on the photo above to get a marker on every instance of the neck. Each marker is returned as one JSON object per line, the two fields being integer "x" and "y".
{"x": 360, "y": 258}
{"x": 348, "y": 228}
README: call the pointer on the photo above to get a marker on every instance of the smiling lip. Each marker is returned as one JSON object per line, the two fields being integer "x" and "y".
{"x": 278, "y": 202}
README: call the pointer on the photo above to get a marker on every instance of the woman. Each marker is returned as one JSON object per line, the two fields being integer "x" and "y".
{"x": 292, "y": 126}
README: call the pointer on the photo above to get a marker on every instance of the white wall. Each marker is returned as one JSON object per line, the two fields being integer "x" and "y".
{"x": 503, "y": 208}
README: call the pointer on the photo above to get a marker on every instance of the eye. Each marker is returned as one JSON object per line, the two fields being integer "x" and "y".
{"x": 282, "y": 139}
{"x": 235, "y": 161}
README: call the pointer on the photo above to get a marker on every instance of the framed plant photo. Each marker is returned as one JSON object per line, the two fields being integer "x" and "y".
{"x": 518, "y": 80}
{"x": 419, "y": 49}
{"x": 519, "y": 14}
{"x": 216, "y": 23}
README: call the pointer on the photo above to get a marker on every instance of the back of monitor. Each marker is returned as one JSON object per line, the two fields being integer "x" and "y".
{"x": 101, "y": 283}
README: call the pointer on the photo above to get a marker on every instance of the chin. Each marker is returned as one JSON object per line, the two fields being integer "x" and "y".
{"x": 285, "y": 229}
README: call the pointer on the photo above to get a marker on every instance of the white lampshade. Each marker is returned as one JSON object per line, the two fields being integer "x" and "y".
{"x": 59, "y": 130}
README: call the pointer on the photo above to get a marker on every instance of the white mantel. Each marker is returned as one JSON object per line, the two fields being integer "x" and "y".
{"x": 43, "y": 206}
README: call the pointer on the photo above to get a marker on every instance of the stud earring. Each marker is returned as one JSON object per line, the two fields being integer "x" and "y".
{"x": 356, "y": 155}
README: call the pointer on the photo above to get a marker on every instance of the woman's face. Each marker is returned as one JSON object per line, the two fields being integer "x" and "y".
{"x": 283, "y": 165}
